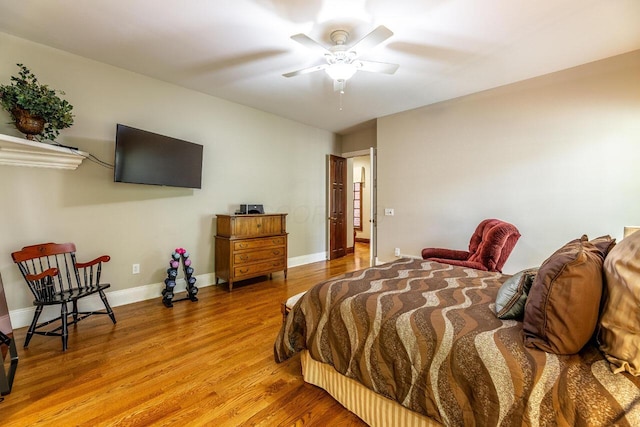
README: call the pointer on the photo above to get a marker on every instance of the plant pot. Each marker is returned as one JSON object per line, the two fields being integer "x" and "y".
{"x": 28, "y": 124}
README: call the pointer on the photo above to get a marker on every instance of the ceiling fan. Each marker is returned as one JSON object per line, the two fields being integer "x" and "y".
{"x": 341, "y": 60}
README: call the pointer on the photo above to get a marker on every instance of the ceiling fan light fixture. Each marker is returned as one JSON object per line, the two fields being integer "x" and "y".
{"x": 341, "y": 71}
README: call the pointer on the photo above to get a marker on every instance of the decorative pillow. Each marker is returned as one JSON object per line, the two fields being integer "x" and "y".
{"x": 561, "y": 312}
{"x": 619, "y": 335}
{"x": 604, "y": 244}
{"x": 513, "y": 293}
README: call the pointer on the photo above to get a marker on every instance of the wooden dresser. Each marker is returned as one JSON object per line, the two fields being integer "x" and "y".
{"x": 250, "y": 246}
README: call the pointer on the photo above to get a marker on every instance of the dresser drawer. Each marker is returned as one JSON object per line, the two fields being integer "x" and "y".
{"x": 258, "y": 268}
{"x": 251, "y": 225}
{"x": 258, "y": 255}
{"x": 267, "y": 242}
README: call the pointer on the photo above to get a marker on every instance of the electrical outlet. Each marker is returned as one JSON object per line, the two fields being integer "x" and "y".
{"x": 135, "y": 269}
{"x": 396, "y": 251}
{"x": 388, "y": 212}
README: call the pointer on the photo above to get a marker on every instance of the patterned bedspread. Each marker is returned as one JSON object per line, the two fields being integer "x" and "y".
{"x": 425, "y": 335}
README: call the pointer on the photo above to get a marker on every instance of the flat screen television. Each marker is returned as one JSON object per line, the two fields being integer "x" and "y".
{"x": 148, "y": 158}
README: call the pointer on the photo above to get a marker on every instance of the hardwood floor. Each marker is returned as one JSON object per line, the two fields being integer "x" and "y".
{"x": 199, "y": 363}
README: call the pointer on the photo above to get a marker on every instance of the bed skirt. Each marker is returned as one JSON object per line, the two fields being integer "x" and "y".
{"x": 372, "y": 408}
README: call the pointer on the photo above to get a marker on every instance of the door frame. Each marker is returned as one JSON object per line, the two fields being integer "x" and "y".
{"x": 373, "y": 244}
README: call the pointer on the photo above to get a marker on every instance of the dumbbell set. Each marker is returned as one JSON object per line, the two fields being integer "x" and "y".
{"x": 179, "y": 256}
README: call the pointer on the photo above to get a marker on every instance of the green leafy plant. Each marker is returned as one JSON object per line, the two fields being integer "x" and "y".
{"x": 39, "y": 100}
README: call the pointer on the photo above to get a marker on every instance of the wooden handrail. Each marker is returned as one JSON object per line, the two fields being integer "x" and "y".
{"x": 103, "y": 258}
{"x": 52, "y": 272}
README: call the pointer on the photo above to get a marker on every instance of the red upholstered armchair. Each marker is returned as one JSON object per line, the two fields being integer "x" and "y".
{"x": 489, "y": 248}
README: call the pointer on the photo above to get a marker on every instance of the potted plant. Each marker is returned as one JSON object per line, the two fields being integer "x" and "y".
{"x": 37, "y": 110}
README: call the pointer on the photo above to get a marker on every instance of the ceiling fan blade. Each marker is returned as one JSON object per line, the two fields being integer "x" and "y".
{"x": 372, "y": 39}
{"x": 378, "y": 67}
{"x": 306, "y": 70}
{"x": 308, "y": 42}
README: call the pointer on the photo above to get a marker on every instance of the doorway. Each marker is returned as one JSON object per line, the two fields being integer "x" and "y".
{"x": 360, "y": 174}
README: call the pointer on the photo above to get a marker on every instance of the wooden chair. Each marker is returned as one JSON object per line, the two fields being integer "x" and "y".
{"x": 56, "y": 278}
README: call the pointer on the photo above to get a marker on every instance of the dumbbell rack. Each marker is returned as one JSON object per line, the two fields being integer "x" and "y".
{"x": 179, "y": 256}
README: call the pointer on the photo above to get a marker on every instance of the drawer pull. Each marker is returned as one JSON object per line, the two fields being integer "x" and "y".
{"x": 243, "y": 245}
{"x": 244, "y": 257}
{"x": 246, "y": 270}
{"x": 276, "y": 252}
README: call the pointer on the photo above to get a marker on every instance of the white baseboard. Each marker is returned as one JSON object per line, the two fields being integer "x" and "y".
{"x": 307, "y": 259}
{"x": 22, "y": 317}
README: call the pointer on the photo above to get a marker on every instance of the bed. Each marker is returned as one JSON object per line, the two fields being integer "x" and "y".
{"x": 423, "y": 338}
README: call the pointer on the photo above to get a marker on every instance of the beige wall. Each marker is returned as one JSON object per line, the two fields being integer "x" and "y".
{"x": 361, "y": 139}
{"x": 556, "y": 155}
{"x": 249, "y": 157}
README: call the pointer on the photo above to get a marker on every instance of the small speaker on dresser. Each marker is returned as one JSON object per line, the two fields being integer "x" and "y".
{"x": 250, "y": 209}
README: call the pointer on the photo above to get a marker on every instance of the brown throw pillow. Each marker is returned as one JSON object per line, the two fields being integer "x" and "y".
{"x": 619, "y": 335}
{"x": 604, "y": 244}
{"x": 561, "y": 311}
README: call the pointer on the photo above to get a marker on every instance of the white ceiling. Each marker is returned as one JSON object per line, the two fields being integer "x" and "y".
{"x": 239, "y": 49}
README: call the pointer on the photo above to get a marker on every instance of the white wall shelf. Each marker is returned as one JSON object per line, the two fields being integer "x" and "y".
{"x": 22, "y": 152}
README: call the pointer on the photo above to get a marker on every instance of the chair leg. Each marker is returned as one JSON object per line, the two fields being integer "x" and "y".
{"x": 65, "y": 329}
{"x": 107, "y": 306}
{"x": 32, "y": 328}
{"x": 75, "y": 311}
